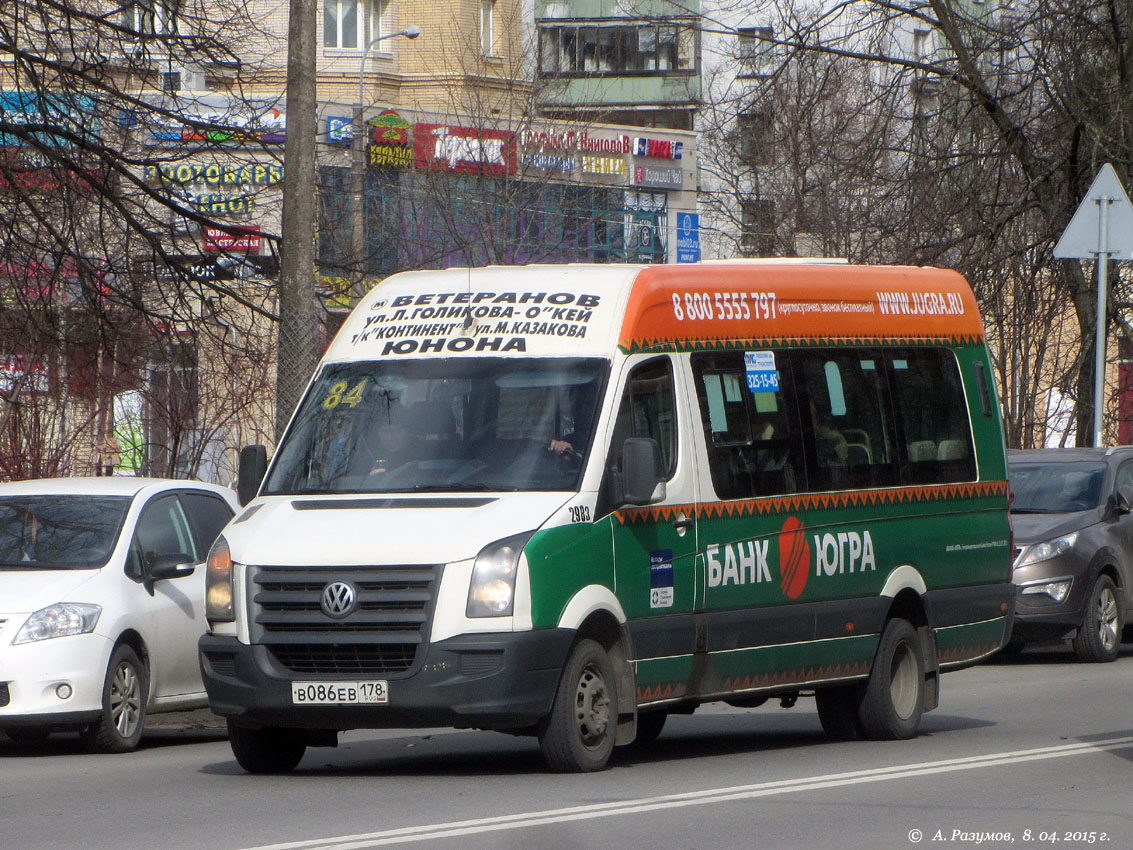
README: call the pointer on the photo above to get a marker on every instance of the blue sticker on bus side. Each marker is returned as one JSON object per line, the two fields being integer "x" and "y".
{"x": 661, "y": 578}
{"x": 762, "y": 376}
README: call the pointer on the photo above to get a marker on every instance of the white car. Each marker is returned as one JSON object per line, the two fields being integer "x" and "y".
{"x": 102, "y": 602}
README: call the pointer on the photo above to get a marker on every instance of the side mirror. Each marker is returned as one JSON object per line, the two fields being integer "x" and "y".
{"x": 176, "y": 565}
{"x": 1123, "y": 499}
{"x": 643, "y": 475}
{"x": 253, "y": 467}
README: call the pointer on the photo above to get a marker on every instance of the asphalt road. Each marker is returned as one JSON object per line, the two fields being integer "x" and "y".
{"x": 1033, "y": 752}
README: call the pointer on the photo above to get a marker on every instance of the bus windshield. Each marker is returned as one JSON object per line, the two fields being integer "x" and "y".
{"x": 474, "y": 424}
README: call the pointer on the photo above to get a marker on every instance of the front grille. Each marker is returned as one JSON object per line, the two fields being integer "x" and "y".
{"x": 383, "y": 635}
{"x": 5, "y": 696}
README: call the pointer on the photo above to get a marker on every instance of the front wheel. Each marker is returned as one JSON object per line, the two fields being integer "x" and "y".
{"x": 118, "y": 728}
{"x": 893, "y": 699}
{"x": 578, "y": 735}
{"x": 1099, "y": 636}
{"x": 266, "y": 750}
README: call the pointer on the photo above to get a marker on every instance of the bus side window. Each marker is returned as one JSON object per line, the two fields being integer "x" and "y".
{"x": 932, "y": 416}
{"x": 647, "y": 409}
{"x": 751, "y": 435}
{"x": 849, "y": 423}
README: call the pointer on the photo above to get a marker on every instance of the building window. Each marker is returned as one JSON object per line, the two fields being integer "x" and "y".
{"x": 616, "y": 49}
{"x": 753, "y": 143}
{"x": 352, "y": 24}
{"x": 755, "y": 51}
{"x": 920, "y": 44}
{"x": 150, "y": 17}
{"x": 378, "y": 19}
{"x": 757, "y": 227}
{"x": 487, "y": 29}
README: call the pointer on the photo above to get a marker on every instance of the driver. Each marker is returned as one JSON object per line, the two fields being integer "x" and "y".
{"x": 394, "y": 439}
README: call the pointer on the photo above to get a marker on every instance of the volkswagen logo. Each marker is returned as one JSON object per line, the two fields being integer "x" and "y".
{"x": 339, "y": 599}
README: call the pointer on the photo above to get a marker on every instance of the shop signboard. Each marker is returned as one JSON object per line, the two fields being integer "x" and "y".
{"x": 244, "y": 239}
{"x": 468, "y": 150}
{"x": 389, "y": 141}
{"x": 27, "y": 374}
{"x": 657, "y": 176}
{"x": 688, "y": 237}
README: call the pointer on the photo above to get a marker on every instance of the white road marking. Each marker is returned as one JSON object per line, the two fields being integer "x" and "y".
{"x": 430, "y": 832}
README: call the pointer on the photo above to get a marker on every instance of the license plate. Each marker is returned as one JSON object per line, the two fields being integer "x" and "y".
{"x": 340, "y": 693}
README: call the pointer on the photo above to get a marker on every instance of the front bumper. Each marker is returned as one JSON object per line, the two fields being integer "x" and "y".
{"x": 31, "y": 674}
{"x": 489, "y": 681}
{"x": 1041, "y": 617}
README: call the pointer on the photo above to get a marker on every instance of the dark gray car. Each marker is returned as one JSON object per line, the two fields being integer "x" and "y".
{"x": 1074, "y": 546}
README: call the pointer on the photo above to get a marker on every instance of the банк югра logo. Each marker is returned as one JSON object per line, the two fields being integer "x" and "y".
{"x": 794, "y": 557}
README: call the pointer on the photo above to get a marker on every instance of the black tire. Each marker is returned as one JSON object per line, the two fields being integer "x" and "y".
{"x": 1099, "y": 636}
{"x": 649, "y": 726}
{"x": 838, "y": 712}
{"x": 118, "y": 728}
{"x": 266, "y": 750}
{"x": 578, "y": 735}
{"x": 28, "y": 734}
{"x": 893, "y": 699}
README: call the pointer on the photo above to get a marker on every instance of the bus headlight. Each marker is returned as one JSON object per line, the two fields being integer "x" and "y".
{"x": 218, "y": 584}
{"x": 491, "y": 592}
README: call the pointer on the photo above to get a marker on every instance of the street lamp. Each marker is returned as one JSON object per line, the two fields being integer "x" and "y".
{"x": 358, "y": 168}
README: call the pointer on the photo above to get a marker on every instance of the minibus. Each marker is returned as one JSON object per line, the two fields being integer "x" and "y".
{"x": 571, "y": 500}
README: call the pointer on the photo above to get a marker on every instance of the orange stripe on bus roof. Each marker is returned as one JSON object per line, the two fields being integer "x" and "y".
{"x": 705, "y": 304}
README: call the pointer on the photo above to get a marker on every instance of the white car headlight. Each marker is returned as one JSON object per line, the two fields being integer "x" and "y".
{"x": 59, "y": 620}
{"x": 1046, "y": 550}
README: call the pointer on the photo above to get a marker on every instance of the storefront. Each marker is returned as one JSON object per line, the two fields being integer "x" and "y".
{"x": 447, "y": 191}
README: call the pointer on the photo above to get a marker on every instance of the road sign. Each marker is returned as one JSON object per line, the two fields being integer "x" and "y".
{"x": 1102, "y": 229}
{"x": 1087, "y": 229}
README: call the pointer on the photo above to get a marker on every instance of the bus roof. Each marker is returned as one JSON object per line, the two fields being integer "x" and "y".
{"x": 591, "y": 309}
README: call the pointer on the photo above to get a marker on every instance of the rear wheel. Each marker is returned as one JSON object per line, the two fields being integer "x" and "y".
{"x": 893, "y": 699}
{"x": 578, "y": 735}
{"x": 119, "y": 728}
{"x": 1099, "y": 636}
{"x": 266, "y": 750}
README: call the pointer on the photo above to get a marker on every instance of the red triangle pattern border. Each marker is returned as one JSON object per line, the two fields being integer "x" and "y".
{"x": 799, "y": 502}
{"x": 669, "y": 343}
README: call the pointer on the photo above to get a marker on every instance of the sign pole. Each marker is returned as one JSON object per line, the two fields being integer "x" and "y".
{"x": 1099, "y": 333}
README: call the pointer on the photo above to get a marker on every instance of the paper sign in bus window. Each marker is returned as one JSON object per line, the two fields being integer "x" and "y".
{"x": 661, "y": 578}
{"x": 762, "y": 376}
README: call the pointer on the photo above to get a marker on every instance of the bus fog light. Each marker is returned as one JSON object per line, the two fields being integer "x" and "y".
{"x": 63, "y": 691}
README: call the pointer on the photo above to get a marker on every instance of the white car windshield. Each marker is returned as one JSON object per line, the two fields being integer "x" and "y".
{"x": 473, "y": 424}
{"x": 59, "y": 531}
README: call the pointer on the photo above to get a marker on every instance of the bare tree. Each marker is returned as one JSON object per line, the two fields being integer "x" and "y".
{"x": 940, "y": 133}
{"x": 108, "y": 111}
